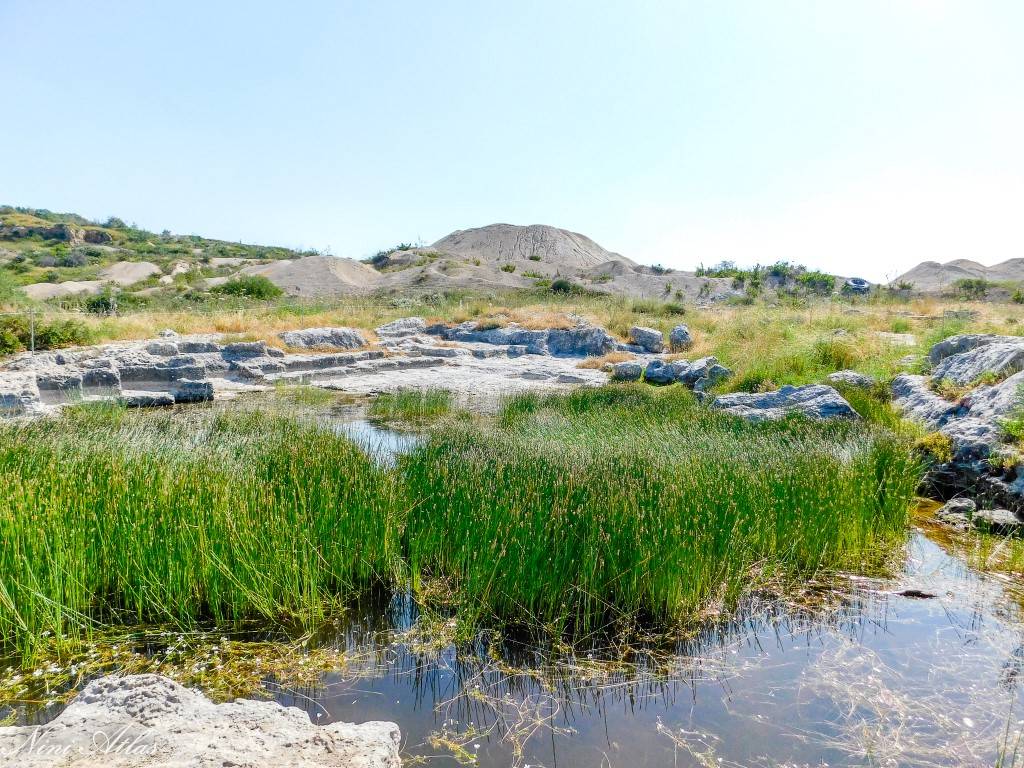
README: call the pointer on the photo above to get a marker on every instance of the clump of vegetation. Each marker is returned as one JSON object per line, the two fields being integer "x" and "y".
{"x": 250, "y": 286}
{"x": 115, "y": 517}
{"x": 627, "y": 500}
{"x": 794, "y": 278}
{"x": 415, "y": 406}
{"x": 658, "y": 308}
{"x": 508, "y": 268}
{"x": 936, "y": 446}
{"x": 567, "y": 510}
{"x": 568, "y": 288}
{"x": 16, "y": 333}
{"x": 971, "y": 288}
{"x": 949, "y": 389}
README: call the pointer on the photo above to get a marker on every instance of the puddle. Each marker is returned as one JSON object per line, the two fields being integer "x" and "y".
{"x": 384, "y": 445}
{"x": 883, "y": 679}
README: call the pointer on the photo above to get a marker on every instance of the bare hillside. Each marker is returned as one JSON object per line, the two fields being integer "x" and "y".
{"x": 931, "y": 276}
{"x": 536, "y": 242}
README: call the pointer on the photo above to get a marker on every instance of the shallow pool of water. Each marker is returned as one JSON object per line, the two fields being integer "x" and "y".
{"x": 880, "y": 678}
{"x": 383, "y": 444}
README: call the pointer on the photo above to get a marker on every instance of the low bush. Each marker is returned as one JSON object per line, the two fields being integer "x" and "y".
{"x": 250, "y": 286}
{"x": 16, "y": 333}
{"x": 971, "y": 288}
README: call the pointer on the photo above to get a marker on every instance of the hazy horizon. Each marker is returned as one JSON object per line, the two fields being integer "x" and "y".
{"x": 854, "y": 139}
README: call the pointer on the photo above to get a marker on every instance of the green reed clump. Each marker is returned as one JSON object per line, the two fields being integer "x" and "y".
{"x": 630, "y": 500}
{"x": 411, "y": 405}
{"x": 110, "y": 516}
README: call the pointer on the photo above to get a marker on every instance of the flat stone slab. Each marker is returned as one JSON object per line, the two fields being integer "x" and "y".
{"x": 149, "y": 720}
{"x": 816, "y": 401}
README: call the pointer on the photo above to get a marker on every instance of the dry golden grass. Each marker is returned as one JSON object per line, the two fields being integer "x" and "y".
{"x": 611, "y": 357}
{"x": 766, "y": 344}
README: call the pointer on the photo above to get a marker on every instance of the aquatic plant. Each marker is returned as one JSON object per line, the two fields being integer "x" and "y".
{"x": 114, "y": 517}
{"x": 563, "y": 510}
{"x": 627, "y": 500}
{"x": 411, "y": 405}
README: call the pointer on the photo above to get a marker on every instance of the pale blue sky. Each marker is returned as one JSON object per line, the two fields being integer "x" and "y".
{"x": 858, "y": 136}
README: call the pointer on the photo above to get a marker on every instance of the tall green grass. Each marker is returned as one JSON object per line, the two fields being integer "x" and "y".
{"x": 115, "y": 517}
{"x": 411, "y": 405}
{"x": 564, "y": 510}
{"x": 631, "y": 500}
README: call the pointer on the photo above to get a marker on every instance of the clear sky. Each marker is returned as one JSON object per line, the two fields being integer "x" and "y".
{"x": 859, "y": 136}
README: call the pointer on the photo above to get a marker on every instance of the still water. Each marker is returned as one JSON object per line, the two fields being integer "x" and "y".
{"x": 927, "y": 677}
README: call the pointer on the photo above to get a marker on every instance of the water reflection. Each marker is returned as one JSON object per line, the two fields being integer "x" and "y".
{"x": 384, "y": 445}
{"x": 875, "y": 677}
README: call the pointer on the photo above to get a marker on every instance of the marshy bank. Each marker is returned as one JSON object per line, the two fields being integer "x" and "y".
{"x": 576, "y": 578}
{"x": 575, "y": 509}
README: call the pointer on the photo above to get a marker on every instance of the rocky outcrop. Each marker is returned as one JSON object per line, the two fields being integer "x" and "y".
{"x": 966, "y": 360}
{"x": 326, "y": 338}
{"x": 149, "y": 720}
{"x": 19, "y": 394}
{"x": 583, "y": 340}
{"x": 982, "y": 465}
{"x": 816, "y": 401}
{"x": 177, "y": 369}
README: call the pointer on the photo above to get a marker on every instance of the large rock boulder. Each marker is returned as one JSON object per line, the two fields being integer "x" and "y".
{"x": 816, "y": 401}
{"x": 648, "y": 339}
{"x": 581, "y": 341}
{"x": 679, "y": 339}
{"x": 661, "y": 372}
{"x": 333, "y": 338}
{"x": 627, "y": 371}
{"x": 714, "y": 375}
{"x": 149, "y": 720}
{"x": 965, "y": 342}
{"x": 405, "y": 326}
{"x": 690, "y": 372}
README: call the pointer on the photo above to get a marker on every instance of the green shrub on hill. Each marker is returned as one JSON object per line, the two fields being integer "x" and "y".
{"x": 250, "y": 286}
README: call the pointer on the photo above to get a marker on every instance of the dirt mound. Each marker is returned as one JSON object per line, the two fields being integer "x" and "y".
{"x": 931, "y": 276}
{"x": 507, "y": 243}
{"x": 129, "y": 272}
{"x": 42, "y": 291}
{"x": 318, "y": 276}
